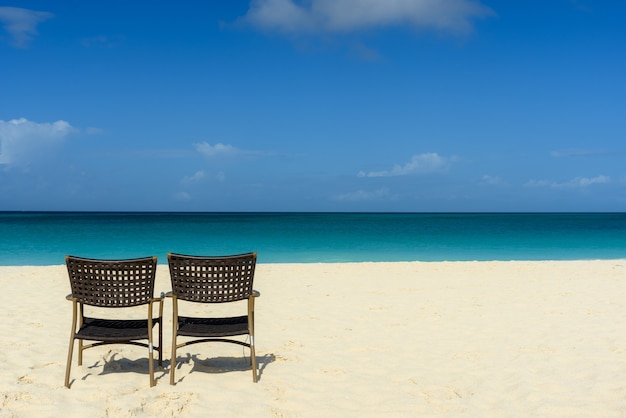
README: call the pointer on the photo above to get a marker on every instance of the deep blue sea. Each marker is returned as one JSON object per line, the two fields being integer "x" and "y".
{"x": 42, "y": 238}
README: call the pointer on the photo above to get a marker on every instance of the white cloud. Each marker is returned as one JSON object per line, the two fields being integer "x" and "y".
{"x": 209, "y": 150}
{"x": 360, "y": 195}
{"x": 584, "y": 181}
{"x": 212, "y": 150}
{"x": 491, "y": 180}
{"x": 578, "y": 182}
{"x": 315, "y": 16}
{"x": 420, "y": 163}
{"x": 21, "y": 24}
{"x": 200, "y": 176}
{"x": 22, "y": 140}
{"x": 195, "y": 178}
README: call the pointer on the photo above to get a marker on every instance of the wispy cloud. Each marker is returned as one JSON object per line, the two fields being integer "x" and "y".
{"x": 209, "y": 150}
{"x": 577, "y": 182}
{"x": 21, "y": 24}
{"x": 220, "y": 149}
{"x": 22, "y": 140}
{"x": 361, "y": 195}
{"x": 492, "y": 180}
{"x": 194, "y": 178}
{"x": 324, "y": 16}
{"x": 420, "y": 163}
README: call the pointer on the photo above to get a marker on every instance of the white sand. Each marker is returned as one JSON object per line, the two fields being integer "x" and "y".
{"x": 463, "y": 339}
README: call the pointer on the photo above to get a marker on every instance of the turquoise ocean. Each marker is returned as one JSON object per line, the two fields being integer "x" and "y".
{"x": 44, "y": 238}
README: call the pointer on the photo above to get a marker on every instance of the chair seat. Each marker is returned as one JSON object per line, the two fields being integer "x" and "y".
{"x": 212, "y": 327}
{"x": 114, "y": 329}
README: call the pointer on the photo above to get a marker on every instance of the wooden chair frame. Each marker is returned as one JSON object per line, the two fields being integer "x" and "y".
{"x": 113, "y": 284}
{"x": 212, "y": 280}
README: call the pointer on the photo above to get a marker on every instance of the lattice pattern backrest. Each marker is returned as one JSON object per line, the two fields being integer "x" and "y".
{"x": 112, "y": 283}
{"x": 212, "y": 279}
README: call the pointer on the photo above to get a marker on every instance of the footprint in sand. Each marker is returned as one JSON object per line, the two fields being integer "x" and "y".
{"x": 9, "y": 399}
{"x": 26, "y": 379}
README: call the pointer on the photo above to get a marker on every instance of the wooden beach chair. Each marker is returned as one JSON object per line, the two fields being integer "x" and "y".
{"x": 212, "y": 280}
{"x": 113, "y": 284}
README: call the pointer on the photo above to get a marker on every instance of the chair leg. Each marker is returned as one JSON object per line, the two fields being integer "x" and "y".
{"x": 174, "y": 334}
{"x": 80, "y": 352}
{"x": 151, "y": 364}
{"x": 173, "y": 360}
{"x": 69, "y": 361}
{"x": 251, "y": 333}
{"x": 70, "y": 350}
{"x": 161, "y": 343}
{"x": 253, "y": 359}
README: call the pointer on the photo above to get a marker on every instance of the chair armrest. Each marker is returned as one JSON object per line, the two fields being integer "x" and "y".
{"x": 158, "y": 299}
{"x": 159, "y": 302}
{"x": 168, "y": 294}
{"x": 255, "y": 294}
{"x": 70, "y": 297}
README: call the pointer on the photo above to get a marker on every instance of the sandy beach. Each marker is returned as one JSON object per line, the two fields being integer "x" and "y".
{"x": 444, "y": 339}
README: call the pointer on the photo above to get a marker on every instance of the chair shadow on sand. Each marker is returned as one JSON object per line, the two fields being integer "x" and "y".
{"x": 211, "y": 365}
{"x": 110, "y": 364}
{"x": 217, "y": 365}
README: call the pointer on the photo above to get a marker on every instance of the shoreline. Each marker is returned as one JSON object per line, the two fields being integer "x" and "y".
{"x": 442, "y": 339}
{"x": 573, "y": 260}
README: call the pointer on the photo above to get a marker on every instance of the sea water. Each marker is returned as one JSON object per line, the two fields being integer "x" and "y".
{"x": 43, "y": 238}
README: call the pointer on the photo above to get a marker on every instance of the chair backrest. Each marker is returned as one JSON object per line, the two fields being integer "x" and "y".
{"x": 212, "y": 279}
{"x": 112, "y": 283}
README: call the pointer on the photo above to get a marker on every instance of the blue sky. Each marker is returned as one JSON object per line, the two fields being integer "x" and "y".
{"x": 313, "y": 105}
